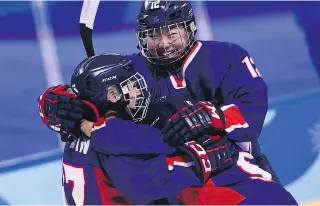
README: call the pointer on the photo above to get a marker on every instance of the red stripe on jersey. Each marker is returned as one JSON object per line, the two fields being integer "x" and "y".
{"x": 100, "y": 122}
{"x": 234, "y": 118}
{"x": 109, "y": 194}
{"x": 182, "y": 160}
{"x": 179, "y": 83}
{"x": 209, "y": 194}
{"x": 191, "y": 52}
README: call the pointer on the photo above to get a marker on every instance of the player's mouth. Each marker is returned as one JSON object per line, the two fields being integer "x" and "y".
{"x": 169, "y": 54}
{"x": 166, "y": 53}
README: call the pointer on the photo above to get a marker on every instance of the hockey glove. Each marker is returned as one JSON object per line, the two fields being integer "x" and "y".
{"x": 61, "y": 111}
{"x": 210, "y": 156}
{"x": 192, "y": 122}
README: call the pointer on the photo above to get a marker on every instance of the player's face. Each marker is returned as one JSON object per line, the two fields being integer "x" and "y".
{"x": 113, "y": 95}
{"x": 168, "y": 43}
{"x": 133, "y": 94}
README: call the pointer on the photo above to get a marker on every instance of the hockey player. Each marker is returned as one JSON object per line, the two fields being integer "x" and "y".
{"x": 221, "y": 73}
{"x": 110, "y": 82}
{"x": 130, "y": 147}
{"x": 190, "y": 71}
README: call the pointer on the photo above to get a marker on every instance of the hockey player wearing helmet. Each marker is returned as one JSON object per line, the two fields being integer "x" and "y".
{"x": 166, "y": 32}
{"x": 109, "y": 85}
{"x": 99, "y": 79}
{"x": 219, "y": 72}
{"x": 117, "y": 145}
{"x": 166, "y": 35}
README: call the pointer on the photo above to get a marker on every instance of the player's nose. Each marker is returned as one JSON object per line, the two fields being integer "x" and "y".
{"x": 166, "y": 42}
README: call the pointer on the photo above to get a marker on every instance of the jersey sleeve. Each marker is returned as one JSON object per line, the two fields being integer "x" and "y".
{"x": 143, "y": 180}
{"x": 245, "y": 96}
{"x": 118, "y": 136}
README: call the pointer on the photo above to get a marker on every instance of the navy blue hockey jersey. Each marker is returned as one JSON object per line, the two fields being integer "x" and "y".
{"x": 112, "y": 169}
{"x": 138, "y": 164}
{"x": 213, "y": 71}
{"x": 134, "y": 155}
{"x": 84, "y": 182}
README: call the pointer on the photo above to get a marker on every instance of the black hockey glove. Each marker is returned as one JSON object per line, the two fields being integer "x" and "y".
{"x": 61, "y": 111}
{"x": 192, "y": 122}
{"x": 210, "y": 156}
{"x": 202, "y": 118}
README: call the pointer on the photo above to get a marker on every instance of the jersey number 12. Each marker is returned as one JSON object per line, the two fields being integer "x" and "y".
{"x": 155, "y": 4}
{"x": 249, "y": 63}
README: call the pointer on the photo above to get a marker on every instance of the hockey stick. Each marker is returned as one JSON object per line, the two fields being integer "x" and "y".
{"x": 86, "y": 23}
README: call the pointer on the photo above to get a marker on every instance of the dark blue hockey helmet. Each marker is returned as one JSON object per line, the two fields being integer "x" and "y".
{"x": 166, "y": 30}
{"x": 111, "y": 83}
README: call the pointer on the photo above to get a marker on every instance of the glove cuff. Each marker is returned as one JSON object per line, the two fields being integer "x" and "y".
{"x": 41, "y": 107}
{"x": 200, "y": 157}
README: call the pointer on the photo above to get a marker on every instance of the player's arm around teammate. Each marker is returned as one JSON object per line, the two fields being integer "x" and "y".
{"x": 126, "y": 148}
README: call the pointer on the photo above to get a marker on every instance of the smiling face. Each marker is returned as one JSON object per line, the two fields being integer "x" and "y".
{"x": 167, "y": 43}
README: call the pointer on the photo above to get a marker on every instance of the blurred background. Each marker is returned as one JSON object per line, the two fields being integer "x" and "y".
{"x": 40, "y": 45}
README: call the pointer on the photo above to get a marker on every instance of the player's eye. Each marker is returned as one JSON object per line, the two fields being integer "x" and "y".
{"x": 174, "y": 34}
